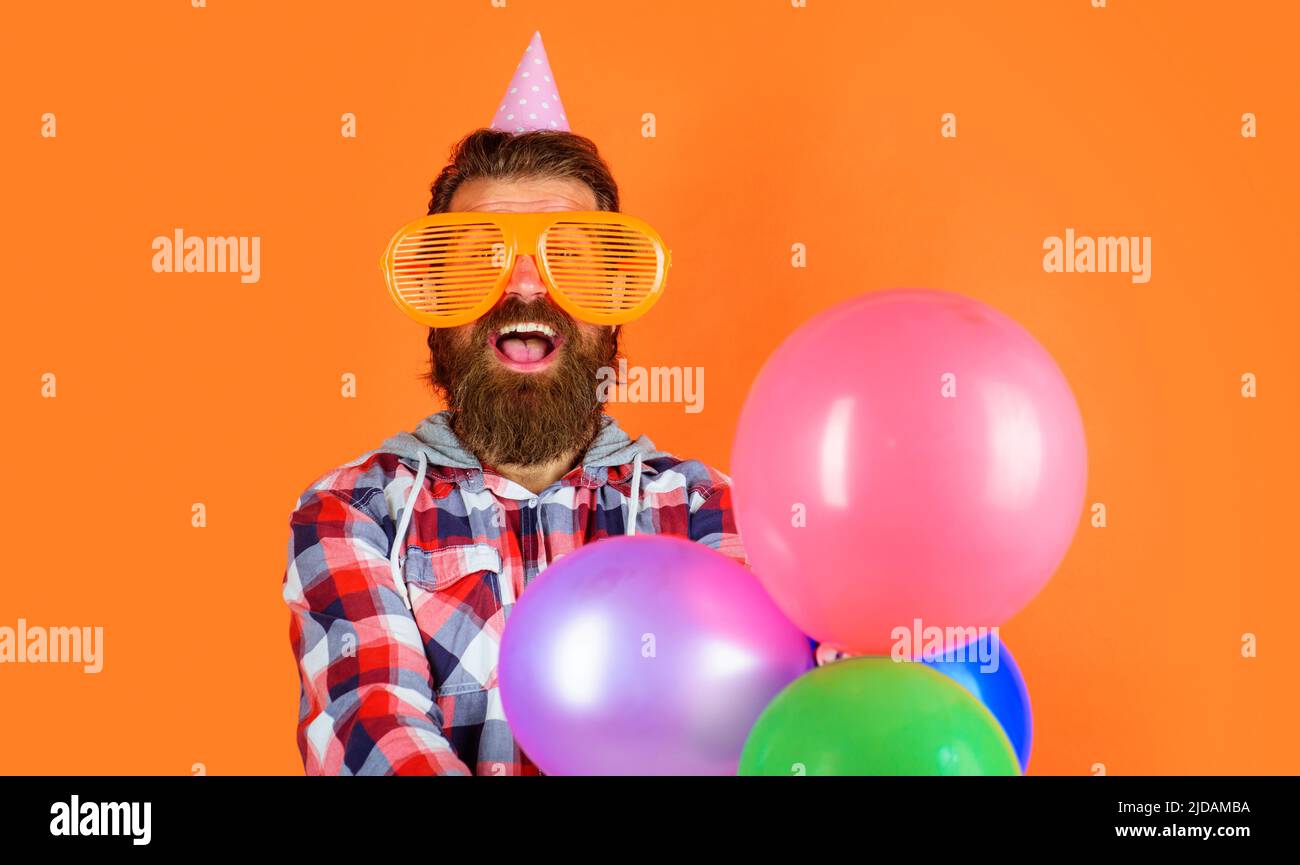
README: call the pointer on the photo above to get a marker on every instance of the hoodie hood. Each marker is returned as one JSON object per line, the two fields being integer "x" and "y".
{"x": 433, "y": 438}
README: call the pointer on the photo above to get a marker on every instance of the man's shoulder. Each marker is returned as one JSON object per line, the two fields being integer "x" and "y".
{"x": 695, "y": 476}
{"x": 356, "y": 481}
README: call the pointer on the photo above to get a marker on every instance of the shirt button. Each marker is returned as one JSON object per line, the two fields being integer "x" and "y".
{"x": 532, "y": 503}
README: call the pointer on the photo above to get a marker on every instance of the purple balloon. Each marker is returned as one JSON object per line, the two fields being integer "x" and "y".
{"x": 644, "y": 655}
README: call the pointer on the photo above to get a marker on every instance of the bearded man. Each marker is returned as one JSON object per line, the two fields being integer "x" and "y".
{"x": 404, "y": 563}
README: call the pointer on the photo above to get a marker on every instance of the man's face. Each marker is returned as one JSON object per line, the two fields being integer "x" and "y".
{"x": 521, "y": 380}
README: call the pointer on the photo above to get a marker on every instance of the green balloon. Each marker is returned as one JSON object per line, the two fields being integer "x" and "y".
{"x": 876, "y": 716}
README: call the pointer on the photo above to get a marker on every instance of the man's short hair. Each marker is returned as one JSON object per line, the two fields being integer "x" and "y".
{"x": 542, "y": 153}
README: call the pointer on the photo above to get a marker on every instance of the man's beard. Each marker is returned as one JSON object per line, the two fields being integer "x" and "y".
{"x": 513, "y": 418}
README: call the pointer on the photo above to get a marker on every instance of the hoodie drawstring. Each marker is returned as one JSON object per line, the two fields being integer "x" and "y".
{"x": 636, "y": 494}
{"x": 402, "y": 526}
{"x": 404, "y": 523}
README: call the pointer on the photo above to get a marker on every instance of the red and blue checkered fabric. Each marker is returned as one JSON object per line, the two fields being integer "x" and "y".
{"x": 391, "y": 690}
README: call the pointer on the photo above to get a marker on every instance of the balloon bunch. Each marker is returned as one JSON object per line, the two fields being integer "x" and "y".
{"x": 908, "y": 461}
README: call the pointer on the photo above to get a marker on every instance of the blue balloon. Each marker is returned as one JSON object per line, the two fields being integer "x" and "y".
{"x": 1000, "y": 688}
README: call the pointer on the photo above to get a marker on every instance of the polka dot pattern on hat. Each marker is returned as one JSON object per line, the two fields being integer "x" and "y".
{"x": 517, "y": 113}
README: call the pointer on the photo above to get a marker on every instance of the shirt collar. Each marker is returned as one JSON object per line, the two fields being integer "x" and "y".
{"x": 590, "y": 477}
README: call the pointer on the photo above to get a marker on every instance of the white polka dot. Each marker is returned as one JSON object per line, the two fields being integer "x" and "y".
{"x": 532, "y": 116}
{"x": 510, "y": 117}
{"x": 514, "y": 89}
{"x": 553, "y": 123}
{"x": 519, "y": 129}
{"x": 536, "y": 88}
{"x": 537, "y": 60}
{"x": 526, "y": 74}
{"x": 546, "y": 78}
{"x": 523, "y": 101}
{"x": 555, "y": 96}
{"x": 544, "y": 105}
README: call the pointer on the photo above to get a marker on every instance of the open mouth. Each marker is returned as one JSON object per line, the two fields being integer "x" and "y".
{"x": 526, "y": 346}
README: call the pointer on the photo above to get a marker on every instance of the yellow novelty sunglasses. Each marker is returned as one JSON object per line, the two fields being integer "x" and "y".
{"x": 448, "y": 269}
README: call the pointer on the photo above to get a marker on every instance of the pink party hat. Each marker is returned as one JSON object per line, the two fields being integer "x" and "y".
{"x": 532, "y": 100}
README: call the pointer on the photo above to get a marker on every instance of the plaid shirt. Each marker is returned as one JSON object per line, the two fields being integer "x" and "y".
{"x": 392, "y": 690}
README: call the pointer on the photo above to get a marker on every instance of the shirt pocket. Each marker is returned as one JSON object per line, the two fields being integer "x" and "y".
{"x": 456, "y": 602}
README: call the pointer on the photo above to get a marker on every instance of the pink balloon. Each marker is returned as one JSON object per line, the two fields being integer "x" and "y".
{"x": 907, "y": 454}
{"x": 644, "y": 655}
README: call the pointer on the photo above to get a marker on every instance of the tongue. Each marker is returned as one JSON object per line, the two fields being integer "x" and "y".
{"x": 524, "y": 350}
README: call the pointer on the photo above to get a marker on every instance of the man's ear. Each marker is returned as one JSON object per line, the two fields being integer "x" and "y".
{"x": 616, "y": 331}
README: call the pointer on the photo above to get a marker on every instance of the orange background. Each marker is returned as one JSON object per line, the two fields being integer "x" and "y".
{"x": 775, "y": 125}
